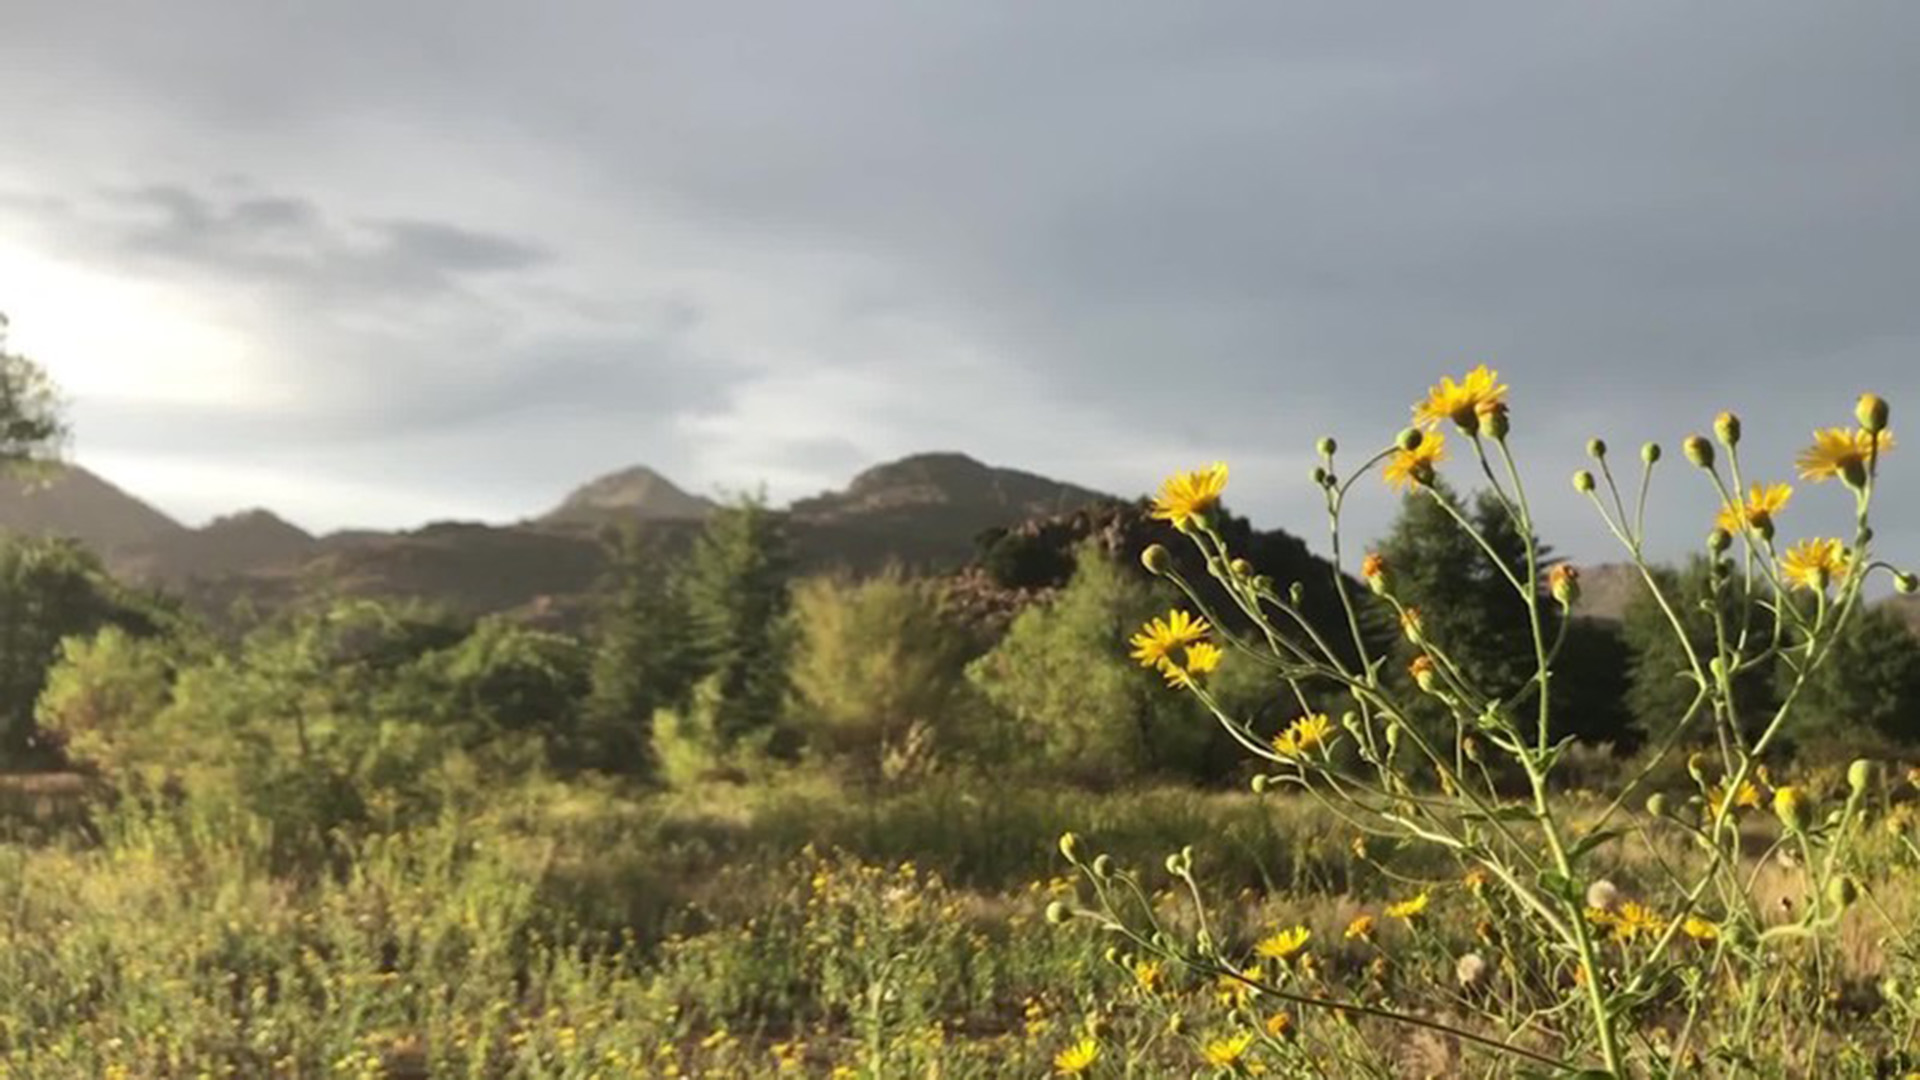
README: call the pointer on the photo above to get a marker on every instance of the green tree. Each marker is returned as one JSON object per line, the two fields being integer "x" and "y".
{"x": 1061, "y": 674}
{"x": 738, "y": 595}
{"x": 1660, "y": 685}
{"x": 32, "y": 425}
{"x": 878, "y": 672}
{"x": 50, "y": 590}
{"x": 102, "y": 698}
{"x": 643, "y": 657}
{"x": 1866, "y": 695}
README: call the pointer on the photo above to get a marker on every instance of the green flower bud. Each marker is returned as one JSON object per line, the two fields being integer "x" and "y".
{"x": 1112, "y": 956}
{"x": 1791, "y": 806}
{"x": 1321, "y": 477}
{"x": 1260, "y": 783}
{"x": 1058, "y": 913}
{"x": 1327, "y": 446}
{"x": 1860, "y": 776}
{"x": 1103, "y": 866}
{"x": 1157, "y": 559}
{"x": 1495, "y": 419}
{"x": 1842, "y": 891}
{"x": 1175, "y": 867}
{"x": 1583, "y": 481}
{"x": 1719, "y": 540}
{"x": 1070, "y": 847}
{"x": 1871, "y": 411}
{"x": 1410, "y": 439}
{"x": 1727, "y": 427}
{"x": 1657, "y": 804}
{"x": 1650, "y": 452}
{"x": 1241, "y": 568}
{"x": 1596, "y": 448}
{"x": 1906, "y": 583}
{"x": 1297, "y": 594}
{"x": 1262, "y": 583}
{"x": 1699, "y": 451}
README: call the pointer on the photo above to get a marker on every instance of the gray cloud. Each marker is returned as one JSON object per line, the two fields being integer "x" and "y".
{"x": 744, "y": 241}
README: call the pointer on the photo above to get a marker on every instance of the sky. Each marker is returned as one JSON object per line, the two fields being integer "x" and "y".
{"x": 375, "y": 265}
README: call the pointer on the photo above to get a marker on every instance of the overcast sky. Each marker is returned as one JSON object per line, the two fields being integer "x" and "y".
{"x": 375, "y": 264}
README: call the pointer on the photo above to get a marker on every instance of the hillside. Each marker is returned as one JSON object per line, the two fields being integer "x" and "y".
{"x": 236, "y": 544}
{"x": 633, "y": 495}
{"x": 70, "y": 501}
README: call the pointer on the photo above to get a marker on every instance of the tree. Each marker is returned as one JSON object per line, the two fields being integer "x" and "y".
{"x": 643, "y": 658}
{"x": 50, "y": 590}
{"x": 737, "y": 596}
{"x": 879, "y": 669}
{"x": 32, "y": 426}
{"x": 1660, "y": 686}
{"x": 1867, "y": 691}
{"x": 1062, "y": 675}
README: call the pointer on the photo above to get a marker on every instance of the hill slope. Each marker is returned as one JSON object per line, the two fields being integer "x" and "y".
{"x": 70, "y": 501}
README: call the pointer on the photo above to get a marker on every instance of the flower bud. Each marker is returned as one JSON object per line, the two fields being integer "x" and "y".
{"x": 1494, "y": 419}
{"x": 1906, "y": 583}
{"x": 1262, "y": 583}
{"x": 1650, "y": 452}
{"x": 1657, "y": 804}
{"x": 1157, "y": 559}
{"x": 1697, "y": 767}
{"x": 1241, "y": 568}
{"x": 1070, "y": 847}
{"x": 1583, "y": 481}
{"x": 1563, "y": 581}
{"x": 1327, "y": 446}
{"x": 1058, "y": 913}
{"x": 1699, "y": 451}
{"x": 1727, "y": 427}
{"x": 1297, "y": 594}
{"x": 1842, "y": 891}
{"x": 1423, "y": 675}
{"x": 1112, "y": 956}
{"x": 1411, "y": 624}
{"x": 1719, "y": 540}
{"x": 1373, "y": 570}
{"x": 1860, "y": 776}
{"x": 1260, "y": 783}
{"x": 1321, "y": 477}
{"x": 1103, "y": 866}
{"x": 1790, "y": 805}
{"x": 1410, "y": 439}
{"x": 1871, "y": 411}
{"x": 1596, "y": 448}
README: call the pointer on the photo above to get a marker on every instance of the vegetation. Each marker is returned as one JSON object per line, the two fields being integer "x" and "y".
{"x": 751, "y": 823}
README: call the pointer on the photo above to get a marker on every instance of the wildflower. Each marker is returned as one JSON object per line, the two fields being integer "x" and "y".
{"x": 1158, "y": 638}
{"x": 1758, "y": 510}
{"x": 1813, "y": 564}
{"x": 1148, "y": 975}
{"x": 1790, "y": 805}
{"x": 1475, "y": 879}
{"x": 1409, "y": 468}
{"x": 1203, "y": 657}
{"x": 1373, "y": 570}
{"x": 1632, "y": 920}
{"x": 1078, "y": 1058}
{"x": 1422, "y": 669}
{"x": 1563, "y": 583}
{"x": 1236, "y": 991}
{"x": 1284, "y": 944}
{"x": 1469, "y": 969}
{"x": 1229, "y": 1052}
{"x": 1699, "y": 929}
{"x": 1186, "y": 497}
{"x": 1412, "y": 624}
{"x": 1409, "y": 909}
{"x": 1360, "y": 929}
{"x": 1843, "y": 453}
{"x": 1603, "y": 895}
{"x": 1460, "y": 402}
{"x": 1280, "y": 1025}
{"x": 1723, "y": 802}
{"x": 1303, "y": 735}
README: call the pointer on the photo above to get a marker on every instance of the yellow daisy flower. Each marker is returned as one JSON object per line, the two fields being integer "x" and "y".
{"x": 1078, "y": 1058}
{"x": 1304, "y": 734}
{"x": 1360, "y": 929}
{"x": 1699, "y": 929}
{"x": 1157, "y": 640}
{"x": 1841, "y": 452}
{"x": 1409, "y": 909}
{"x": 1148, "y": 975}
{"x": 1757, "y": 512}
{"x": 1229, "y": 1052}
{"x": 1746, "y": 795}
{"x": 1407, "y": 469}
{"x": 1461, "y": 402}
{"x": 1187, "y": 495}
{"x": 1632, "y": 920}
{"x": 1284, "y": 944}
{"x": 1814, "y": 564}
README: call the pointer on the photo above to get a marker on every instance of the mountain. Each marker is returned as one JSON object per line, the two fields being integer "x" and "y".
{"x": 67, "y": 500}
{"x": 637, "y": 494}
{"x": 235, "y": 544}
{"x": 925, "y": 511}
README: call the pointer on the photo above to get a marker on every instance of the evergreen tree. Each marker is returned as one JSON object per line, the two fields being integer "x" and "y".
{"x": 1867, "y": 691}
{"x": 31, "y": 425}
{"x": 643, "y": 658}
{"x": 737, "y": 596}
{"x": 1659, "y": 686}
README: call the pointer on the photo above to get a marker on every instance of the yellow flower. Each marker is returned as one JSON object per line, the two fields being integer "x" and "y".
{"x": 1303, "y": 735}
{"x": 1841, "y": 452}
{"x": 1409, "y": 468}
{"x": 1188, "y": 495}
{"x": 1148, "y": 974}
{"x": 1229, "y": 1052}
{"x": 1078, "y": 1058}
{"x": 1633, "y": 920}
{"x": 1280, "y": 1025}
{"x": 1746, "y": 795}
{"x": 1699, "y": 929}
{"x": 1360, "y": 929}
{"x": 1814, "y": 564}
{"x": 1409, "y": 909}
{"x": 1461, "y": 402}
{"x": 1757, "y": 512}
{"x": 1285, "y": 943}
{"x": 1158, "y": 638}
{"x": 1236, "y": 991}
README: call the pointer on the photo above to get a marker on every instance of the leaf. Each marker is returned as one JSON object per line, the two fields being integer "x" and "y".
{"x": 1591, "y": 841}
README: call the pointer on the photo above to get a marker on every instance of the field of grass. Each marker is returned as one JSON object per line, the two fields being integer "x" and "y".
{"x": 573, "y": 931}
